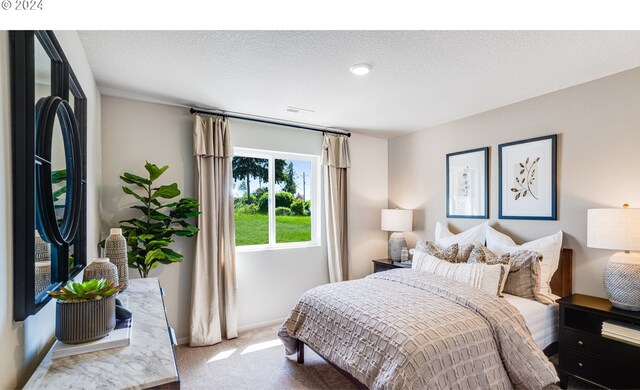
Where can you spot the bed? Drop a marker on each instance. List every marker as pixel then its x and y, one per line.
pixel 404 329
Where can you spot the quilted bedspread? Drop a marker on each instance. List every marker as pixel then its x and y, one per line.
pixel 407 329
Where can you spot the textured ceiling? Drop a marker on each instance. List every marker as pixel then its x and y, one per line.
pixel 419 78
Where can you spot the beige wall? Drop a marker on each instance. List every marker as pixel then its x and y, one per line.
pixel 133 133
pixel 368 195
pixel 24 343
pixel 269 282
pixel 598 163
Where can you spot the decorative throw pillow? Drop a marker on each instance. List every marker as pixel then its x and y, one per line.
pixel 464 251
pixel 482 254
pixel 444 237
pixel 524 276
pixel 449 254
pixel 489 278
pixel 549 247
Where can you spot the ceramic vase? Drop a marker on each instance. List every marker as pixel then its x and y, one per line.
pixel 622 285
pixel 101 268
pixel 81 322
pixel 42 249
pixel 42 275
pixel 116 251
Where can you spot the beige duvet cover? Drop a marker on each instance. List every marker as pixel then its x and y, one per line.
pixel 407 329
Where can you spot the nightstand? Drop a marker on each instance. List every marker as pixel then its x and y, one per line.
pixel 585 354
pixel 380 265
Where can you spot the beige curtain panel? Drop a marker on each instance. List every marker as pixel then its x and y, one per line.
pixel 335 161
pixel 214 295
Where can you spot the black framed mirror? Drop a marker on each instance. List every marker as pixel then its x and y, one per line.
pixel 49 169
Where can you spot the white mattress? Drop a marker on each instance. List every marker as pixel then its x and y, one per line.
pixel 541 319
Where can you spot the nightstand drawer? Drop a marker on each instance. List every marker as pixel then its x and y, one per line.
pixel 582 342
pixel 597 370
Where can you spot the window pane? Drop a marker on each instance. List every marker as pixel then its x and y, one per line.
pixel 293 200
pixel 251 200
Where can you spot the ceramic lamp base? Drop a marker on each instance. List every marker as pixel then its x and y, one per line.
pixel 622 280
pixel 396 243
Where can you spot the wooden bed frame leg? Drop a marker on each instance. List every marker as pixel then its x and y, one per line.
pixel 300 351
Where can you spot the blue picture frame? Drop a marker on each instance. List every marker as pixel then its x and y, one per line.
pixel 527 179
pixel 467 178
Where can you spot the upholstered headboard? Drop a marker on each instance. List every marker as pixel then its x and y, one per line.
pixel 561 282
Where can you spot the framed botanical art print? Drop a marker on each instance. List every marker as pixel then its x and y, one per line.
pixel 527 179
pixel 468 184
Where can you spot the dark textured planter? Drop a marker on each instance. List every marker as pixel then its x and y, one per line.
pixel 80 322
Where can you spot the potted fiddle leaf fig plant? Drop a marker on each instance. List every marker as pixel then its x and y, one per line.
pixel 163 217
pixel 85 311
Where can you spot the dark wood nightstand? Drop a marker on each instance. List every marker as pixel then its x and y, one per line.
pixel 380 265
pixel 585 354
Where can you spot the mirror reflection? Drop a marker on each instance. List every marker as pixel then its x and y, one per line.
pixel 42 88
pixel 58 172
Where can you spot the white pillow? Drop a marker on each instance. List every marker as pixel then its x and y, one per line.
pixel 489 278
pixel 444 238
pixel 549 247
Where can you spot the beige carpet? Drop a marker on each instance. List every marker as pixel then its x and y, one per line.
pixel 256 360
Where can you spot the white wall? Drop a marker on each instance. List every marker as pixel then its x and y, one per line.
pixel 270 281
pixel 368 195
pixel 133 133
pixel 24 343
pixel 598 163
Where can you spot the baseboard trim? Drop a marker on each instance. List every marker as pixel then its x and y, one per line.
pixel 185 340
pixel 261 324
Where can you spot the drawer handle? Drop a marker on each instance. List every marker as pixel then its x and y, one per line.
pixel 580 342
pixel 580 364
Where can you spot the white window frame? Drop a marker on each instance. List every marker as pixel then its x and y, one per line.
pixel 316 218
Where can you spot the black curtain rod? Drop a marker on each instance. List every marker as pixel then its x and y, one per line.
pixel 270 122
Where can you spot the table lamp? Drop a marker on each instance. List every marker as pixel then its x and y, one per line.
pixel 396 221
pixel 618 229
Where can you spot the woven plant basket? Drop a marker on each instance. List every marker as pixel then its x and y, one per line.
pixel 80 322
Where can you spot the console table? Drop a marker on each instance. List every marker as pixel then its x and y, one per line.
pixel 149 361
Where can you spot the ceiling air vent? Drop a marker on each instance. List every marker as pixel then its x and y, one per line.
pixel 298 110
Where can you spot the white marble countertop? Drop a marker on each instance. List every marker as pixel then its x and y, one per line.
pixel 148 361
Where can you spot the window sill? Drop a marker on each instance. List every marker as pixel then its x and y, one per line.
pixel 276 247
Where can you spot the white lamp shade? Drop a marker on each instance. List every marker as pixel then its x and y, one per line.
pixel 617 229
pixel 395 220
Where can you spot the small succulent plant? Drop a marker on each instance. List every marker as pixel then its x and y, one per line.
pixel 90 290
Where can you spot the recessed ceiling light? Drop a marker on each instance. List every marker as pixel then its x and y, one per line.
pixel 360 69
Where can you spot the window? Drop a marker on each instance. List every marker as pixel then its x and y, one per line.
pixel 274 199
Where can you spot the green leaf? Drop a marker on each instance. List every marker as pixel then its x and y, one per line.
pixel 172 255
pixel 153 255
pixel 58 193
pixel 89 290
pixel 159 216
pixel 154 171
pixel 167 192
pixel 155 244
pixel 58 176
pixel 129 191
pixel 130 178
